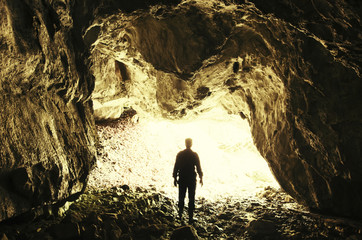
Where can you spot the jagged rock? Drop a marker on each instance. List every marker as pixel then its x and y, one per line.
pixel 47 129
pixel 261 228
pixel 185 232
pixel 66 231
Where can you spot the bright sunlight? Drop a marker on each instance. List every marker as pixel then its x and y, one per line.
pixel 143 154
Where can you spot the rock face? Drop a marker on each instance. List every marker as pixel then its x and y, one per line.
pixel 292 69
pixel 47 127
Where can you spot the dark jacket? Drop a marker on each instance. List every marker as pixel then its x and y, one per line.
pixel 185 164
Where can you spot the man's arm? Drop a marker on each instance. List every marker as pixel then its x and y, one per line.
pixel 198 168
pixel 175 170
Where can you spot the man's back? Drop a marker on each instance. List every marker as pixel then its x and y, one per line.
pixel 185 164
pixel 186 161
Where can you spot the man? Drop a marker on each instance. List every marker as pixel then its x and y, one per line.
pixel 186 162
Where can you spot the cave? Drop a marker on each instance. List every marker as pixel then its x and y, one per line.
pixel 290 70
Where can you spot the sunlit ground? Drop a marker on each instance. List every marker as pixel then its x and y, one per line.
pixel 143 154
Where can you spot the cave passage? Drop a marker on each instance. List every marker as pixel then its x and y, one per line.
pixel 142 155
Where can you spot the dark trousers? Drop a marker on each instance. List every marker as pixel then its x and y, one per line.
pixel 190 186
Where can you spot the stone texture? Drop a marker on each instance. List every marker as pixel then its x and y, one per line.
pixel 47 128
pixel 147 214
pixel 184 232
pixel 261 228
pixel 293 71
pixel 65 231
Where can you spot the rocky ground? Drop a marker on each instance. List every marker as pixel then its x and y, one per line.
pixel 110 209
pixel 125 213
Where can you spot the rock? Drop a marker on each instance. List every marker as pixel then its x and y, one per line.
pixel 201 229
pixel 154 230
pixel 226 215
pixel 94 218
pixel 73 217
pixel 126 237
pixel 3 236
pixel 46 128
pixel 122 223
pixel 238 219
pixel 261 228
pixel 65 231
pixel 90 232
pixel 125 187
pixel 217 229
pixel 115 234
pixel 184 233
pixel 43 236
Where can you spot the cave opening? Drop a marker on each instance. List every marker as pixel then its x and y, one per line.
pixel 179 67
pixel 140 152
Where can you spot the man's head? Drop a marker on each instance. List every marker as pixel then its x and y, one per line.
pixel 188 142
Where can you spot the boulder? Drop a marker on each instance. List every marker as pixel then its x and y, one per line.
pixel 185 232
pixel 262 228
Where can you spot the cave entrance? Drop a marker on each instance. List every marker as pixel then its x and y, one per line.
pixel 142 154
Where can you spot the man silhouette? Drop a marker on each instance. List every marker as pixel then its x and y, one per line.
pixel 184 169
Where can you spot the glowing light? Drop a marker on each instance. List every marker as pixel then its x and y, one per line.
pixel 144 155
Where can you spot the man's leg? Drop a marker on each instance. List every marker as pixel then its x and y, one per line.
pixel 181 197
pixel 192 191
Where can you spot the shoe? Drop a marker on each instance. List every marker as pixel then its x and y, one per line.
pixel 191 218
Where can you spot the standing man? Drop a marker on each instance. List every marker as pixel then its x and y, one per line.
pixel 186 162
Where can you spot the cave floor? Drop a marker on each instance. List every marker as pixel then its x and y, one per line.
pixel 132 207
pixel 126 213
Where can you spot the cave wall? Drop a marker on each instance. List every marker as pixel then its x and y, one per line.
pixel 47 126
pixel 47 129
pixel 292 69
pixel 324 112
